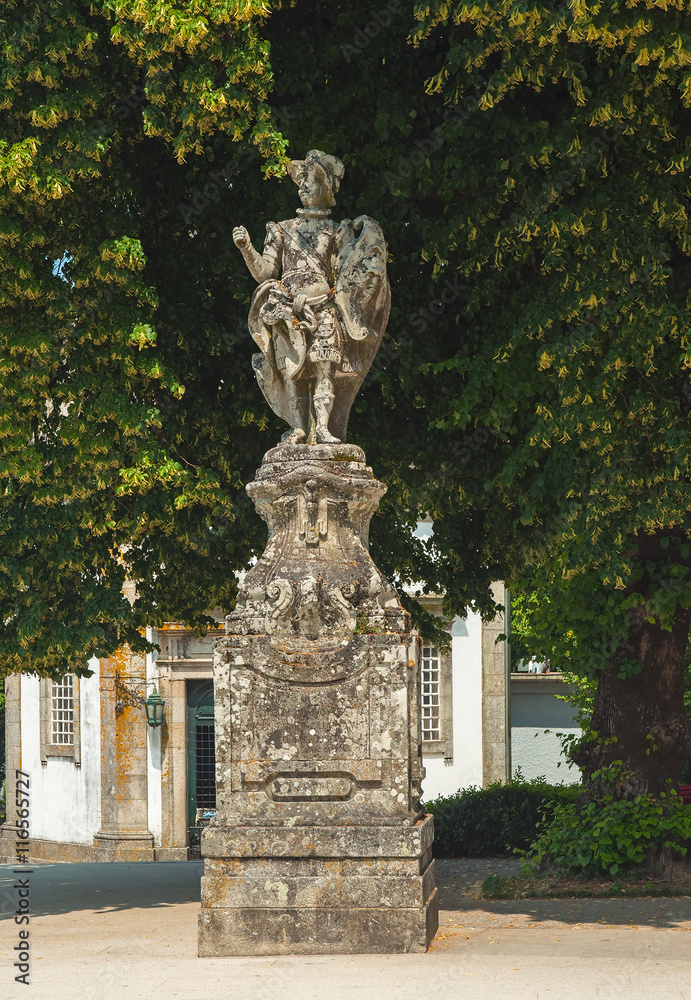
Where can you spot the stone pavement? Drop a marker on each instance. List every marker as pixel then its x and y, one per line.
pixel 103 931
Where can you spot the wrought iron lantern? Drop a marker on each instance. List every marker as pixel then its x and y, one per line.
pixel 154 709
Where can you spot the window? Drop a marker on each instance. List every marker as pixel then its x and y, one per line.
pixel 430 690
pixel 62 712
pixel 436 702
pixel 205 772
pixel 60 730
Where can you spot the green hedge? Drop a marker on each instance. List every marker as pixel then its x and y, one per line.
pixel 493 821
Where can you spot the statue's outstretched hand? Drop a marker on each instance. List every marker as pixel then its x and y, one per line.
pixel 241 238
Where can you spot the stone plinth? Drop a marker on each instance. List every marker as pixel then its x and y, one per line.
pixel 320 844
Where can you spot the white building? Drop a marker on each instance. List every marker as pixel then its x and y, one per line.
pixel 105 785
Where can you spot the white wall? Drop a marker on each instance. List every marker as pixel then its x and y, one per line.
pixel 65 799
pixel 538 753
pixel 538 714
pixel 465 769
pixel 445 777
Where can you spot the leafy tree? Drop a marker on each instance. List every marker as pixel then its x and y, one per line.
pixel 135 137
pixel 117 455
pixel 523 639
pixel 534 202
pixel 569 222
pixel 532 394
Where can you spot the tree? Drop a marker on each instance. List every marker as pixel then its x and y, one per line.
pixel 570 223
pixel 136 135
pixel 535 207
pixel 532 395
pixel 103 341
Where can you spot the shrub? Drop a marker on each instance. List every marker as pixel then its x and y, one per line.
pixel 612 835
pixel 493 821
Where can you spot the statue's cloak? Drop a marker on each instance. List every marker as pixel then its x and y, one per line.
pixel 361 298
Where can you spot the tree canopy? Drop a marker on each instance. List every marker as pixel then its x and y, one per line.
pixel 571 224
pixel 528 163
pixel 114 421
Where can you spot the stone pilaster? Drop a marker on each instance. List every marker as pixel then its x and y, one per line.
pixel 173 768
pixel 13 762
pixel 495 737
pixel 320 844
pixel 124 834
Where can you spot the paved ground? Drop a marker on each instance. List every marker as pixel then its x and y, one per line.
pixel 105 931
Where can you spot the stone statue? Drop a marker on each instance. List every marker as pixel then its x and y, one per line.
pixel 320 843
pixel 320 311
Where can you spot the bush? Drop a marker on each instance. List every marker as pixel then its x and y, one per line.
pixel 612 835
pixel 493 821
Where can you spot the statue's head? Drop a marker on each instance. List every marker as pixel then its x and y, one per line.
pixel 318 177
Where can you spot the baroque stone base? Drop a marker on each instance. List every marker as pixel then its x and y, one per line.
pixel 339 890
pixel 320 844
pixel 317 931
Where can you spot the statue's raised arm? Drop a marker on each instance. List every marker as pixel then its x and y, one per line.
pixel 320 311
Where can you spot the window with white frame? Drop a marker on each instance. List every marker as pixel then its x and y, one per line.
pixel 430 688
pixel 62 712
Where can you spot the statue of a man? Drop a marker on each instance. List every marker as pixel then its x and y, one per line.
pixel 321 307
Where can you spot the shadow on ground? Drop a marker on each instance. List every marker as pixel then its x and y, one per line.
pixel 111 886
pixel 102 885
pixel 455 876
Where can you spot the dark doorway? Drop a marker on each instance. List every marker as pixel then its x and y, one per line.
pixel 201 761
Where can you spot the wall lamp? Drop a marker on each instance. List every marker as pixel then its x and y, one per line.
pixel 154 709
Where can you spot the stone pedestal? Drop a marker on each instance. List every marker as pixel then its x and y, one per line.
pixel 320 844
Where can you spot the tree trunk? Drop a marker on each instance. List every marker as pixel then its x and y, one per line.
pixel 644 714
pixel 640 720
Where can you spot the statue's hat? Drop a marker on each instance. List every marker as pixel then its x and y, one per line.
pixel 331 166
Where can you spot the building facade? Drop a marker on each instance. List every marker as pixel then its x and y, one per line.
pixel 106 786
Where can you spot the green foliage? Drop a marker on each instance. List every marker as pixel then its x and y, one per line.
pixel 496 820
pixel 115 451
pixel 523 639
pixel 134 138
pixel 611 835
pixel 568 225
pixel 528 635
pixel 528 164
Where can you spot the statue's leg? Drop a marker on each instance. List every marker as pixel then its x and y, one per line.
pixel 323 402
pixel 298 405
